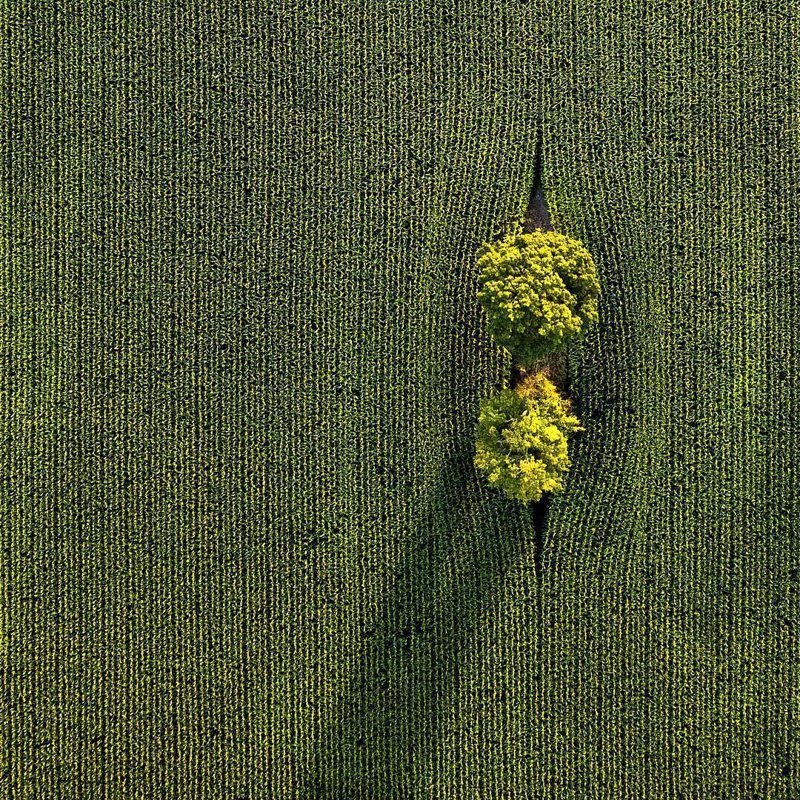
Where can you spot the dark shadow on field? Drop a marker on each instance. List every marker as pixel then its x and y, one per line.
pixel 454 562
pixel 452 565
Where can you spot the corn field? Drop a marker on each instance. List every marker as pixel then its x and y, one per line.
pixel 245 551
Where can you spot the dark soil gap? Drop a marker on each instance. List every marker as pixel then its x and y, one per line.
pixel 539 513
pixel 537 214
pixel 517 374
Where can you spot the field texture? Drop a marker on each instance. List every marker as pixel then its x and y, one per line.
pixel 245 553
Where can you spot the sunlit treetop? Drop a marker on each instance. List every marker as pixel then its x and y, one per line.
pixel 521 439
pixel 539 290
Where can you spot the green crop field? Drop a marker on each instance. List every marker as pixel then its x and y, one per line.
pixel 245 552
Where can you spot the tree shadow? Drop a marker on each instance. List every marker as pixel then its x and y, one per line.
pixel 454 562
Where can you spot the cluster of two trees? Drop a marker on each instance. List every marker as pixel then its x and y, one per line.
pixel 539 291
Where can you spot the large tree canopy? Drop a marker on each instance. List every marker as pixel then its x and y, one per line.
pixel 521 439
pixel 539 290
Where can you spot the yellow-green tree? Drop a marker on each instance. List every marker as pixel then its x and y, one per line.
pixel 539 291
pixel 521 439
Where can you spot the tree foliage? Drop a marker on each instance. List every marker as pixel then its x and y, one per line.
pixel 539 290
pixel 521 439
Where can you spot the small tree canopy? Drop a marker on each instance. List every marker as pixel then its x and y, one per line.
pixel 539 291
pixel 521 439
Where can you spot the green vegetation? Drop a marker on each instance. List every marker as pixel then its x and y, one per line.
pixel 246 552
pixel 539 291
pixel 522 439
